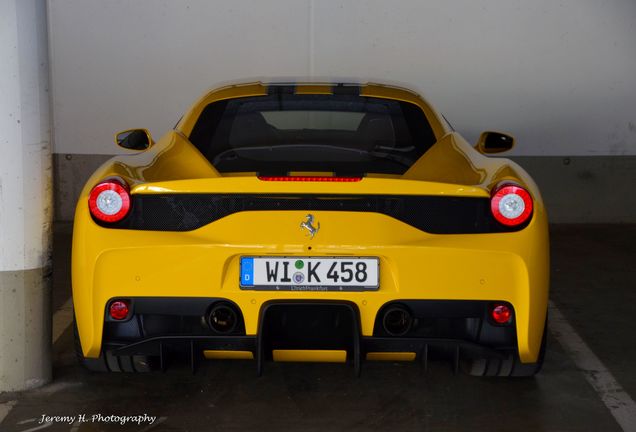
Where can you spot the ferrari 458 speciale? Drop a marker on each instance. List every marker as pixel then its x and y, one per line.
pixel 311 222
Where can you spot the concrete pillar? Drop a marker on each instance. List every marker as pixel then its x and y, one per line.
pixel 25 196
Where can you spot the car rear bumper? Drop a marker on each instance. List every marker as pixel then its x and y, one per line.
pixel 414 265
pixel 176 328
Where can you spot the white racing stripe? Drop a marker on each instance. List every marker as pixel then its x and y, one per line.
pixel 62 318
pixel 615 398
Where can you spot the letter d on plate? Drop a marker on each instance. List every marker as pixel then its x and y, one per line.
pixel 247 271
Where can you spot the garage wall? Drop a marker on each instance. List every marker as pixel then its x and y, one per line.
pixel 560 76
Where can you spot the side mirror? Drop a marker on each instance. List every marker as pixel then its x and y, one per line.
pixel 134 139
pixel 494 142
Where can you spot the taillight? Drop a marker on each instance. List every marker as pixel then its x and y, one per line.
pixel 109 201
pixel 118 310
pixel 311 179
pixel 511 204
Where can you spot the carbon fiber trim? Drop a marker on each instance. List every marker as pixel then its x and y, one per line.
pixel 432 214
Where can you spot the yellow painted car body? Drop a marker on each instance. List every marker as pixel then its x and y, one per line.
pixel 116 263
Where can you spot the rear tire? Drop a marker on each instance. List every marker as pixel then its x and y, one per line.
pixel 107 362
pixel 508 366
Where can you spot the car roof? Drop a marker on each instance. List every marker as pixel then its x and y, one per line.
pixel 260 88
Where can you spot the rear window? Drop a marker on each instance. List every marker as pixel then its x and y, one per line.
pixel 345 134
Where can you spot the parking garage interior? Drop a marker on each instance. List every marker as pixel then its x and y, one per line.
pixel 557 76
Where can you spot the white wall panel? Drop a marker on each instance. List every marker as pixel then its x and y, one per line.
pixel 123 64
pixel 561 76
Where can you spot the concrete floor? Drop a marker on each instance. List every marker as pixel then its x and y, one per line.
pixel 593 285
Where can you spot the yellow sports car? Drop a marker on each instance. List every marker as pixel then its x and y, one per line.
pixel 311 222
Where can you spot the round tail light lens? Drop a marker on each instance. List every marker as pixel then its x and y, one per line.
pixel 109 201
pixel 501 313
pixel 511 204
pixel 118 310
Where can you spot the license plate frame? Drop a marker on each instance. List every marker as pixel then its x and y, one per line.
pixel 249 265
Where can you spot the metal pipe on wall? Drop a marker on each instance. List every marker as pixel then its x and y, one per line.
pixel 25 197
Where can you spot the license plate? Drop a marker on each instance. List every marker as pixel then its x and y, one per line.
pixel 309 273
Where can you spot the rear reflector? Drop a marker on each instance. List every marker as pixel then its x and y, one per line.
pixel 118 310
pixel 501 313
pixel 311 179
pixel 511 204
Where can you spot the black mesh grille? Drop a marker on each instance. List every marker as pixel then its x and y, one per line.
pixel 432 214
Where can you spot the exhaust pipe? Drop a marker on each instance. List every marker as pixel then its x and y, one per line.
pixel 397 321
pixel 223 318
